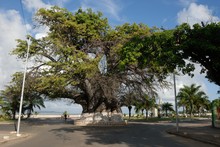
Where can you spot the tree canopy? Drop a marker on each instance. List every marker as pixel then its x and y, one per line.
pixel 66 60
pixel 138 58
pixel 201 44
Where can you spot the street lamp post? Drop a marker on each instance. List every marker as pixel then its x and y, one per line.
pixel 177 123
pixel 23 84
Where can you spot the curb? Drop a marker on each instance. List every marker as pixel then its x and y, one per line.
pixel 12 136
pixel 186 135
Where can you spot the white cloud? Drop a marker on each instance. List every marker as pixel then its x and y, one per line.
pixel 34 5
pixel 11 25
pixel 196 13
pixel 40 32
pixel 181 80
pixel 106 6
pixel 40 35
pixel 11 28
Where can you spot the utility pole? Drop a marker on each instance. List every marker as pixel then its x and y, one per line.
pixel 177 123
pixel 23 84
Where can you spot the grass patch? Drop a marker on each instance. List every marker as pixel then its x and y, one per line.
pixel 3 119
pixel 153 119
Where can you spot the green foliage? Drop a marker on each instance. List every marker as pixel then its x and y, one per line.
pixel 152 119
pixel 1 101
pixel 12 93
pixel 66 60
pixel 10 96
pixel 154 51
pixel 216 102
pixel 167 107
pixel 193 98
pixel 201 44
pixel 65 48
pixel 65 113
pixel 79 29
pixel 146 103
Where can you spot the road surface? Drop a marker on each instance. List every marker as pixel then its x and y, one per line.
pixel 58 133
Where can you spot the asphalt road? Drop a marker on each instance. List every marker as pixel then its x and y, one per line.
pixel 57 133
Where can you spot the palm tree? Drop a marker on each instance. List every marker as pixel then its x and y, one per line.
pixel 191 95
pixel 128 101
pixel 12 93
pixel 182 103
pixel 31 103
pixel 167 107
pixel 11 104
pixel 203 104
pixel 139 106
pixel 146 103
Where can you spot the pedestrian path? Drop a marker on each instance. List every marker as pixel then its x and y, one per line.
pixel 8 136
pixel 199 131
pixel 7 133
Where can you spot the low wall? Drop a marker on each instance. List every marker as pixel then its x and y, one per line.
pixel 100 119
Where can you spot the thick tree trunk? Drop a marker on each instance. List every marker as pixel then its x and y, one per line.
pixel 99 101
pixel 98 96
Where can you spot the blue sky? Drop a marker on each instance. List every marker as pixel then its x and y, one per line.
pixel 159 13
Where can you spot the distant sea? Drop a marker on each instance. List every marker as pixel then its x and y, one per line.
pixel 55 113
pixel 73 112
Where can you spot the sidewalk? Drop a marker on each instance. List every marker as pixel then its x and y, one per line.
pixel 199 131
pixel 6 135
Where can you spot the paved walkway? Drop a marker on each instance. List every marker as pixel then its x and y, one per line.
pixel 8 136
pixel 7 133
pixel 197 130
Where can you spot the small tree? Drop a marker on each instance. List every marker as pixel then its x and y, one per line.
pixel 167 107
pixel 12 94
pixel 191 95
pixel 128 100
pixel 146 103
pixel 216 103
pixel 11 101
pixel 202 105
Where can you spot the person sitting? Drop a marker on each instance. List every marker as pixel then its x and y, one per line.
pixel 65 115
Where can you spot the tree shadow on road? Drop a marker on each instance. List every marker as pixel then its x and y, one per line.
pixel 47 121
pixel 129 135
